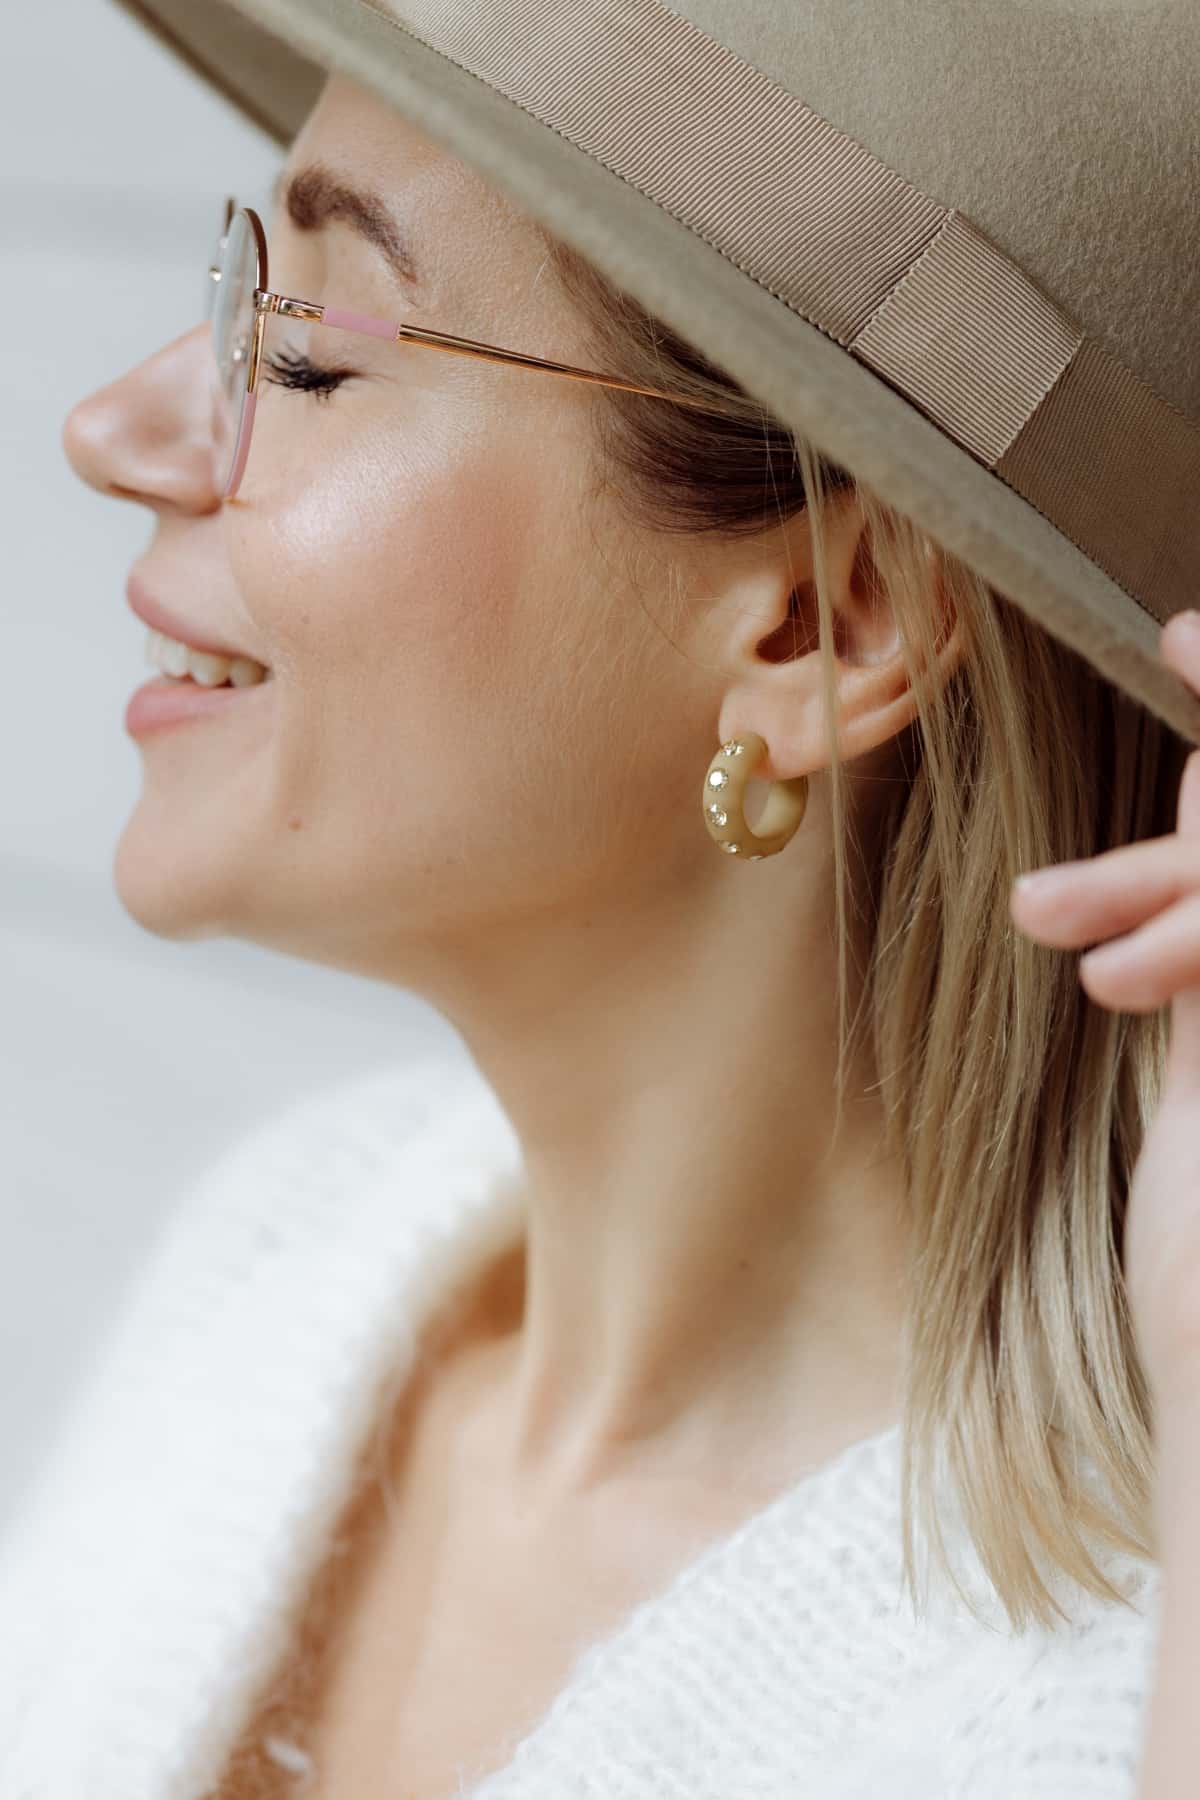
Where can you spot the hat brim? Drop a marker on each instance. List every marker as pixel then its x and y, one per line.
pixel 269 58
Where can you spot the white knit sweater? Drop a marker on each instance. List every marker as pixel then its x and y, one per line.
pixel 148 1585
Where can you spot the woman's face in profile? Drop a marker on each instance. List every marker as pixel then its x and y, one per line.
pixel 462 673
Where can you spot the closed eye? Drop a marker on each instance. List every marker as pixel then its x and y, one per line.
pixel 290 370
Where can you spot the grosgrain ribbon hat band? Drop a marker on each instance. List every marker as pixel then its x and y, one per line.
pixel 623 122
pixel 911 289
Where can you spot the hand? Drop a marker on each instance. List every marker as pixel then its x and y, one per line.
pixel 1145 897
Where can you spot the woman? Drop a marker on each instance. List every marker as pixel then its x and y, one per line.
pixel 682 1408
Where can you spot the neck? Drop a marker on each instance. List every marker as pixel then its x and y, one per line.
pixel 711 1279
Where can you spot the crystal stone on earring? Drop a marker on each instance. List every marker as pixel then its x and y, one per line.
pixel 718 778
pixel 732 748
pixel 717 816
pixel 757 858
pixel 732 848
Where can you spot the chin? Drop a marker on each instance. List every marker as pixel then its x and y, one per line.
pixel 166 894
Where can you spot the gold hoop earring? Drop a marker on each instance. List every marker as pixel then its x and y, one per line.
pixel 724 799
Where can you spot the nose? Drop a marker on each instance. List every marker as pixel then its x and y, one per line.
pixel 148 435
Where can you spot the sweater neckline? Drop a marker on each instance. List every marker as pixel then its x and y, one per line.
pixel 464 1177
pixel 746 1562
pixel 860 1479
pixel 471 1203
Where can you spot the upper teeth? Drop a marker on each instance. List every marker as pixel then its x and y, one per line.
pixel 174 658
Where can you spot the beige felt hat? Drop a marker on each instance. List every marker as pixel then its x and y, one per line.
pixel 955 244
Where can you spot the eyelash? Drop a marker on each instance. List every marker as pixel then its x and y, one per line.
pixel 289 370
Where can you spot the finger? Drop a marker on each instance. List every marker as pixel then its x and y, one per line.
pixel 1189 797
pixel 1083 902
pixel 1100 897
pixel 1179 646
pixel 1151 966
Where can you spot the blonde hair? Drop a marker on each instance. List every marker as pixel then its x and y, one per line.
pixel 1018 1105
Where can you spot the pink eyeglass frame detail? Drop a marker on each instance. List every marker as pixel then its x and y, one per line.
pixel 339 318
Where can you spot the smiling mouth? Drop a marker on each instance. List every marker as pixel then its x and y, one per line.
pixel 179 662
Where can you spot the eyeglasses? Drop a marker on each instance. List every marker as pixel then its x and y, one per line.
pixel 238 301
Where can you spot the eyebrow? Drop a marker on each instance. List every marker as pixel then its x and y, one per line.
pixel 314 196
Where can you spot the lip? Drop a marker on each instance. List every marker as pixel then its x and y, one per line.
pixel 164 702
pixel 154 614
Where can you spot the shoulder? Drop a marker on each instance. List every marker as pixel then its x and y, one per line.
pixel 977 1707
pixel 988 1713
pixel 296 1172
pixel 282 1289
pixel 348 1128
pixel 1071 1721
pixel 305 1162
pixel 282 1199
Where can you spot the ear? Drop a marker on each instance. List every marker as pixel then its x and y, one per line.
pixel 770 620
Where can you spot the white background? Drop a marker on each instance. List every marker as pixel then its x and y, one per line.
pixel 126 1062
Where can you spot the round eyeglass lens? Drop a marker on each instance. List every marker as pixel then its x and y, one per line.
pixel 232 317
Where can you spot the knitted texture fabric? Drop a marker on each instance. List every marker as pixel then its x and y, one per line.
pixel 151 1580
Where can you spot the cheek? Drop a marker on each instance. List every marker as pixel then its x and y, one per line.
pixel 393 565
pixel 403 595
